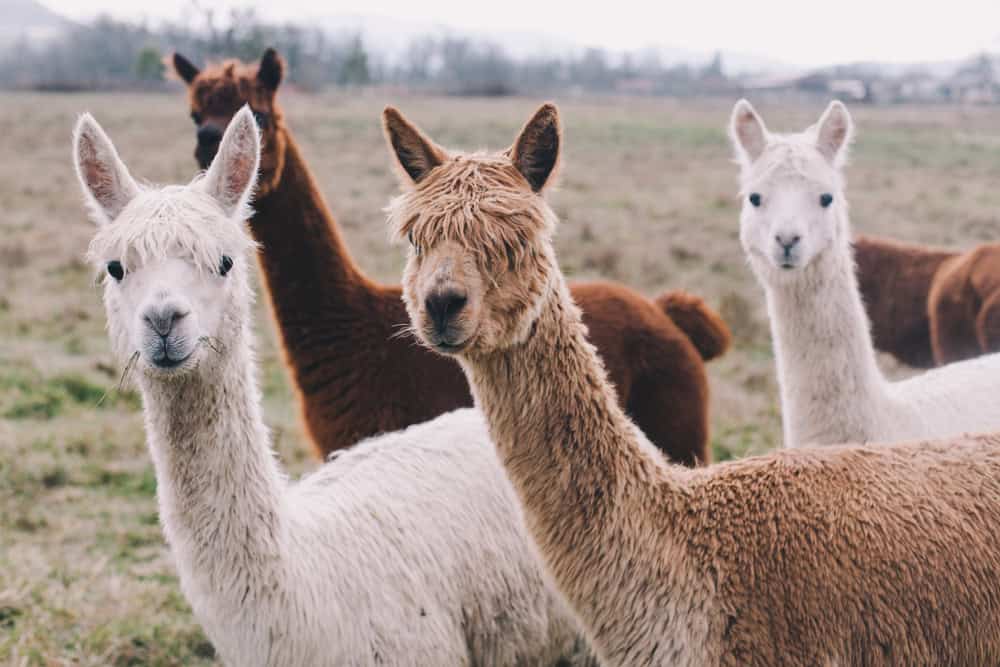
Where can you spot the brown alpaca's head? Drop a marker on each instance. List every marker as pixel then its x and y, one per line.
pixel 481 259
pixel 219 91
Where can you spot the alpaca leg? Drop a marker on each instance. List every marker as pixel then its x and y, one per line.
pixel 988 325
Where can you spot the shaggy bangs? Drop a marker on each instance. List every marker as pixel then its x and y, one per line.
pixel 794 156
pixel 481 202
pixel 175 221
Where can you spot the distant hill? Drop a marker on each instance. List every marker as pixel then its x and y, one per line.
pixel 30 20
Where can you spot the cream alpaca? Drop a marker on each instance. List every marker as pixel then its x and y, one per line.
pixel 409 549
pixel 822 556
pixel 795 230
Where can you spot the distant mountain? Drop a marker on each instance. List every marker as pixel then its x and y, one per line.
pixel 29 20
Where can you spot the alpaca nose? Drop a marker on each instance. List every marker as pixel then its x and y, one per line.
pixel 443 306
pixel 787 241
pixel 161 319
pixel 209 134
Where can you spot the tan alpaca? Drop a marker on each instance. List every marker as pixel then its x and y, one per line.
pixel 845 555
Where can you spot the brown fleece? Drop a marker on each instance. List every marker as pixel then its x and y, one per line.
pixel 928 306
pixel 355 373
pixel 839 555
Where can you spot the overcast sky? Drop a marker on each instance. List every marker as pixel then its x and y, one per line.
pixel 800 32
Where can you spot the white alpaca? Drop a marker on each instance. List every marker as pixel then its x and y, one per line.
pixel 795 230
pixel 408 549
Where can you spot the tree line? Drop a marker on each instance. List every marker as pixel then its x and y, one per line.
pixel 110 53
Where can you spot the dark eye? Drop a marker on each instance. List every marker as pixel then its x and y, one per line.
pixel 225 265
pixel 755 198
pixel 116 270
pixel 263 119
pixel 825 199
pixel 416 248
pixel 196 117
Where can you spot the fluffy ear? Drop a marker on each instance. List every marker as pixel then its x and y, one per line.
pixel 271 69
pixel 233 173
pixel 834 132
pixel 535 152
pixel 185 68
pixel 747 132
pixel 105 179
pixel 416 153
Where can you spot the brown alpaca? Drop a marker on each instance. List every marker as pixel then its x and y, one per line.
pixel 355 374
pixel 929 307
pixel 842 555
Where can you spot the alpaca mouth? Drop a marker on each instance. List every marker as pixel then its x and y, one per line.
pixel 167 363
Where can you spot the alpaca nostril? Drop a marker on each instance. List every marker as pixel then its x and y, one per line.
pixel 443 306
pixel 162 321
pixel 787 243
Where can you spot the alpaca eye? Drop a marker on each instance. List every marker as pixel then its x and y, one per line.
pixel 825 199
pixel 116 270
pixel 196 117
pixel 755 199
pixel 416 248
pixel 263 119
pixel 225 265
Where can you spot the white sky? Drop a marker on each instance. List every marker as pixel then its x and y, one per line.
pixel 799 32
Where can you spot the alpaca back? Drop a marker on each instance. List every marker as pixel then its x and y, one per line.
pixel 410 548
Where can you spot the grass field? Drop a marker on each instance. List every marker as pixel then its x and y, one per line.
pixel 647 197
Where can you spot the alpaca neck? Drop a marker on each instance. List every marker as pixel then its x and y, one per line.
pixel 573 456
pixel 317 293
pixel 305 260
pixel 830 382
pixel 218 485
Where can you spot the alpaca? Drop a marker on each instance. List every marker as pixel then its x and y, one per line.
pixel 930 306
pixel 842 555
pixel 795 231
pixel 407 549
pixel 337 325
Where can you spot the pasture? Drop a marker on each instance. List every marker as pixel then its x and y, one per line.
pixel 647 196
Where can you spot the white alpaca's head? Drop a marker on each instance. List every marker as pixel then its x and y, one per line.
pixel 174 259
pixel 794 209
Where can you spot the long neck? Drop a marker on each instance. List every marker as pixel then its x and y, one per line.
pixel 317 292
pixel 588 485
pixel 219 487
pixel 830 382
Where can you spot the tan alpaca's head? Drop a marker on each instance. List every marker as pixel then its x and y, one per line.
pixel 480 232
pixel 217 92
pixel 794 209
pixel 175 260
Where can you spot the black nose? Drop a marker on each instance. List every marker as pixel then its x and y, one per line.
pixel 208 135
pixel 163 318
pixel 787 242
pixel 442 306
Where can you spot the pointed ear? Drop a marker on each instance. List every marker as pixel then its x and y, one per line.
pixel 271 69
pixel 747 132
pixel 185 68
pixel 416 153
pixel 834 132
pixel 535 152
pixel 233 173
pixel 105 179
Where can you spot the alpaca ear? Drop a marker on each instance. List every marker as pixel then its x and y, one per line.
pixel 233 173
pixel 271 69
pixel 535 152
pixel 834 132
pixel 105 179
pixel 185 68
pixel 747 132
pixel 416 153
